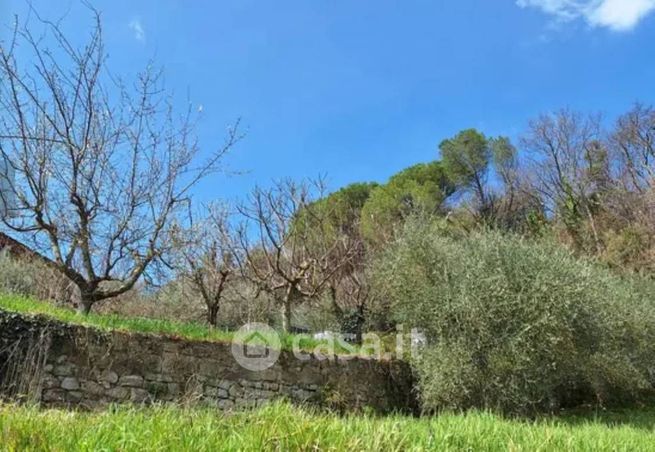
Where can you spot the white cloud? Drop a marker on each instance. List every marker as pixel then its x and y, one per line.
pixel 137 28
pixel 621 14
pixel 618 15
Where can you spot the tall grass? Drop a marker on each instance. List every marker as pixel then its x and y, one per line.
pixel 283 427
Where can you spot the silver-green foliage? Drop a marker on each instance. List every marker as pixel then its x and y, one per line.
pixel 516 325
pixel 22 276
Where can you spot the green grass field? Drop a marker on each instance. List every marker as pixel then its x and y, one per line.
pixel 283 427
pixel 191 331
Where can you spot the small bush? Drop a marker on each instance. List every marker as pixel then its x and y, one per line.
pixel 517 326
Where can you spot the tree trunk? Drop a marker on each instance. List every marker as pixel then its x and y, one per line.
pixel 286 314
pixel 359 324
pixel 592 223
pixel 338 312
pixel 212 314
pixel 85 304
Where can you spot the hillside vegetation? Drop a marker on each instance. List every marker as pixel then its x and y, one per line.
pixel 526 261
pixel 518 326
pixel 107 322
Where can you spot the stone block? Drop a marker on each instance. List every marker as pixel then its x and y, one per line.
pixel 301 395
pixel 158 377
pixel 225 404
pixel 235 391
pixel 53 396
pixel 211 391
pixel 92 388
pixel 50 382
pixel 209 368
pixel 70 384
pixel 139 395
pixel 119 393
pixel 74 396
pixel 109 376
pixel 178 364
pixel 64 370
pixel 131 381
pixel 225 384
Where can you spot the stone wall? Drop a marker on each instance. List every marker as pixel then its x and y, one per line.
pixel 75 366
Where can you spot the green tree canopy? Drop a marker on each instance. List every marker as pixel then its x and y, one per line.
pixel 466 159
pixel 339 212
pixel 420 188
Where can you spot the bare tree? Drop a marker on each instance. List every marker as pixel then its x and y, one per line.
pixel 102 168
pixel 633 148
pixel 516 205
pixel 350 293
pixel 567 150
pixel 205 257
pixel 278 247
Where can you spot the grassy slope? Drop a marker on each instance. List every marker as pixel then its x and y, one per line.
pixel 191 331
pixel 282 427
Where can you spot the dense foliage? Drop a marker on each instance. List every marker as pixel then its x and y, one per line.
pixel 517 326
pixel 420 188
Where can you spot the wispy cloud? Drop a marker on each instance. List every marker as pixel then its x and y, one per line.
pixel 137 28
pixel 618 15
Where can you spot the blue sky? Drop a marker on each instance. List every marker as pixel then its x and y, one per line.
pixel 360 89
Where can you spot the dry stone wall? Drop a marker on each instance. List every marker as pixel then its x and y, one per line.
pixel 74 366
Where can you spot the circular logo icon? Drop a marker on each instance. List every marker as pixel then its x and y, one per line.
pixel 256 346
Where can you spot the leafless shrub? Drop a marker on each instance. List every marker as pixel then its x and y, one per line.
pixel 21 367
